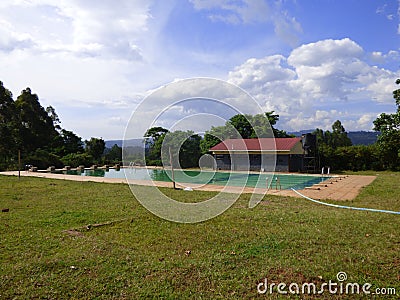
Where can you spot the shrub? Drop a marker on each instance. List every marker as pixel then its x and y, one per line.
pixel 77 159
pixel 42 159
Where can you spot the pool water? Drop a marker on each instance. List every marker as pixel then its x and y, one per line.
pixel 279 181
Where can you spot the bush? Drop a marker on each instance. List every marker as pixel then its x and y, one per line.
pixel 356 158
pixel 154 162
pixel 9 166
pixel 77 159
pixel 42 159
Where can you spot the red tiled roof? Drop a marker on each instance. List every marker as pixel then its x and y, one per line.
pixel 263 144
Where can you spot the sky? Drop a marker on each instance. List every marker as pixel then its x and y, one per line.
pixel 311 61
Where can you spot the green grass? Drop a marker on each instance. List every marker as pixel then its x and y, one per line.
pixel 142 256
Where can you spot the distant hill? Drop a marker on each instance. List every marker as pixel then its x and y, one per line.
pixel 363 137
pixel 356 137
pixel 128 143
pixel 301 132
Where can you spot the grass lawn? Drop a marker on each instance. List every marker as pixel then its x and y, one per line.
pixel 283 239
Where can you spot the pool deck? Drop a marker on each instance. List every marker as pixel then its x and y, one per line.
pixel 345 187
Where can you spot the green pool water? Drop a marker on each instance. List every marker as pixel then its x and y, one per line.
pixel 282 181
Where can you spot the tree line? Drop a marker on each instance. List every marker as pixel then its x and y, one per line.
pixel 36 133
pixel 186 147
pixel 334 148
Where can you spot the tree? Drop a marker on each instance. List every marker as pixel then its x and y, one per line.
pixel 257 126
pixel 389 140
pixel 242 125
pixel 190 151
pixel 328 142
pixel 36 128
pixel 153 134
pixel 396 96
pixel 42 159
pixel 51 112
pixel 77 159
pixel 154 138
pixel 339 136
pixel 25 125
pixel 263 124
pixel 67 142
pixel 184 147
pixel 208 141
pixel 355 158
pixel 95 147
pixel 114 154
pixel 261 128
pixel 8 126
pixel 216 135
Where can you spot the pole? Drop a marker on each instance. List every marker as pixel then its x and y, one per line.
pixel 19 164
pixel 172 168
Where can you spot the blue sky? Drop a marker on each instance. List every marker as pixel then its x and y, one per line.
pixel 312 61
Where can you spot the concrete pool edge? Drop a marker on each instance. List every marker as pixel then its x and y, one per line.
pixel 338 188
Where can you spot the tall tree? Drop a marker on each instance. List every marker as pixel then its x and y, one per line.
pixel 51 112
pixel 257 126
pixel 36 126
pixel 8 126
pixel 184 147
pixel 153 134
pixel 263 124
pixel 95 147
pixel 339 136
pixel 67 142
pixel 242 125
pixel 328 142
pixel 153 139
pixel 114 154
pixel 209 140
pixel 389 139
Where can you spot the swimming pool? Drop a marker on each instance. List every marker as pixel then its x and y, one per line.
pixel 280 181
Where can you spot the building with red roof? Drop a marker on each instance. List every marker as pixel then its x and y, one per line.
pixel 263 154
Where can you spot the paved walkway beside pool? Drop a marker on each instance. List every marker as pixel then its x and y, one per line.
pixel 337 188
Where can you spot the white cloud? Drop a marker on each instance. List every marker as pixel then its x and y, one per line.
pixel 363 122
pixel 82 53
pixel 325 51
pixel 381 9
pixel 288 29
pixel 319 119
pixel 64 77
pixel 389 13
pixel 11 40
pixel 285 26
pixel 86 54
pixel 244 11
pixel 316 76
pixel 184 99
pixel 261 71
pixel 82 27
pixel 380 84
pixel 398 16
